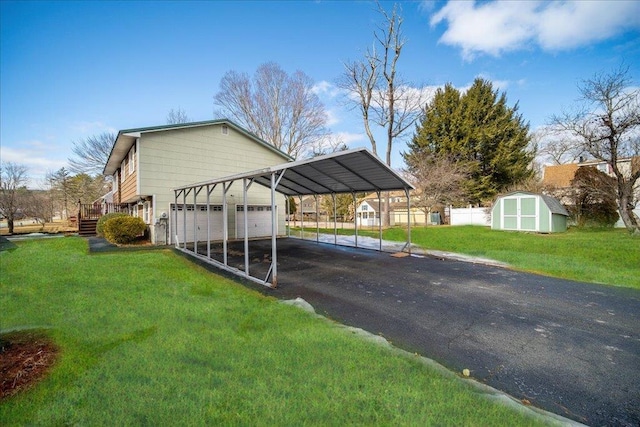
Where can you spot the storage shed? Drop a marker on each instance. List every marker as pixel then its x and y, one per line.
pixel 523 211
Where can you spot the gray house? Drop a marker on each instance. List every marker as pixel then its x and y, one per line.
pixel 523 211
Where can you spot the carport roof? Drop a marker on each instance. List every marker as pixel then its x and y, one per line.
pixel 356 170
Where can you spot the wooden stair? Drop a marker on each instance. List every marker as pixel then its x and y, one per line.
pixel 87 227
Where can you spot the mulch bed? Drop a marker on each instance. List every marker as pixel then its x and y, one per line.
pixel 25 358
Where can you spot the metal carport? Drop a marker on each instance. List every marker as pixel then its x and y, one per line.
pixel 353 171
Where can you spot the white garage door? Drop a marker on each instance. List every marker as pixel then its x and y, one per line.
pixel 258 218
pixel 215 215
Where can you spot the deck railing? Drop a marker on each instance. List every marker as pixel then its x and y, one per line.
pixel 96 210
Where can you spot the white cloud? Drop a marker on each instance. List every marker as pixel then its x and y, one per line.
pixel 35 157
pixel 351 137
pixel 325 88
pixel 333 117
pixel 496 27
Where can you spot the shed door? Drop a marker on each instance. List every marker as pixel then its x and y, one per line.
pixel 528 213
pixel 215 223
pixel 519 213
pixel 258 221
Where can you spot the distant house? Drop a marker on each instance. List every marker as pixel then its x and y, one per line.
pixel 309 209
pixel 557 178
pixel 148 163
pixel 524 211
pixel 368 210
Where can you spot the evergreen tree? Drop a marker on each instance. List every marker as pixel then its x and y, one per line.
pixel 479 129
pixel 440 129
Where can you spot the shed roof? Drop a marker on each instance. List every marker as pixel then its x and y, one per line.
pixel 552 203
pixel 356 170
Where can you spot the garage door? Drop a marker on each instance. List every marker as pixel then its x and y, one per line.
pixel 215 215
pixel 258 218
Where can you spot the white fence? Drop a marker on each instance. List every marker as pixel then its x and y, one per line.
pixel 470 216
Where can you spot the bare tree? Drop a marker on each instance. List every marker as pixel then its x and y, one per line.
pixel 37 205
pixel 175 117
pixel 439 181
pixel 279 108
pixel 374 87
pixel 607 124
pixel 13 180
pixel 330 144
pixel 556 146
pixel 91 154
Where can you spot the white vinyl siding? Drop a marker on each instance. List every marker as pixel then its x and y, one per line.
pixel 173 158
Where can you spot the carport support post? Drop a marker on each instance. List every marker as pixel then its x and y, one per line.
pixel 225 220
pixel 274 232
pixel 209 191
pixel 379 219
pixel 195 219
pixel 246 226
pixel 175 223
pixel 301 218
pixel 355 218
pixel 406 192
pixel 315 197
pixel 288 215
pixel 184 217
pixel 209 221
pixel 335 219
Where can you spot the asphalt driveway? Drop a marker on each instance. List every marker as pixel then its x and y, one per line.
pixel 569 348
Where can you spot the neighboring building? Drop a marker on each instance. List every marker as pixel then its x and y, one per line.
pixel 368 210
pixel 524 211
pixel 557 178
pixel 309 209
pixel 148 163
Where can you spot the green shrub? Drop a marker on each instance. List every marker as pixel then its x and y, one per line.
pixel 105 218
pixel 124 229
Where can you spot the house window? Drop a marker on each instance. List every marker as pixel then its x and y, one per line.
pixel 225 129
pixel 115 182
pixel 132 159
pixel 365 207
pixel 146 210
pixel 123 169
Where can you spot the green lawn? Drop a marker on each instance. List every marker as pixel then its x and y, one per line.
pixel 148 338
pixel 608 256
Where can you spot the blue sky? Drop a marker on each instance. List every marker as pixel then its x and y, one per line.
pixel 69 70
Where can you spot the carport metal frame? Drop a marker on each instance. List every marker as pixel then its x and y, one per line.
pixel 351 171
